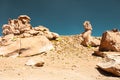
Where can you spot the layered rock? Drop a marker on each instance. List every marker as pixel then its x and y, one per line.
pixel 88 40
pixel 111 64
pixel 110 41
pixel 26 46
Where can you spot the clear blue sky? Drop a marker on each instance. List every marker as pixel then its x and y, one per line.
pixel 65 16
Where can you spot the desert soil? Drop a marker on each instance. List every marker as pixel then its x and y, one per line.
pixel 68 61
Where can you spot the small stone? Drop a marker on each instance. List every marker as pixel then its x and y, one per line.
pixel 33 62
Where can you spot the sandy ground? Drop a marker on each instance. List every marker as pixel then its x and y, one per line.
pixel 68 61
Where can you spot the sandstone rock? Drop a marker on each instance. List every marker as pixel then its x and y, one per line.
pixel 110 41
pixel 33 32
pixel 88 40
pixel 55 35
pixel 8 39
pixel 35 62
pixel 48 34
pixel 104 54
pixel 17 26
pixel 35 45
pixel 87 25
pixel 29 41
pixel 95 41
pixel 111 64
pixel 27 46
pixel 41 28
pixel 25 35
pixel 24 18
pixel 7 29
pixel 22 27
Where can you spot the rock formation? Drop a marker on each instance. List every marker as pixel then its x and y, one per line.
pixel 109 49
pixel 22 27
pixel 110 41
pixel 26 46
pixel 88 40
pixel 20 38
pixel 17 26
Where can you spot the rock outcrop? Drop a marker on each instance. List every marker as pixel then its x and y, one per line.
pixel 21 39
pixel 22 27
pixel 26 46
pixel 88 40
pixel 17 26
pixel 110 41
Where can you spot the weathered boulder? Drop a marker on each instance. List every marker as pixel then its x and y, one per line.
pixel 88 40
pixel 111 64
pixel 110 41
pixel 46 32
pixel 35 45
pixel 27 46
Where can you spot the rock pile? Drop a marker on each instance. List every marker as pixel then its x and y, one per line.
pixel 88 40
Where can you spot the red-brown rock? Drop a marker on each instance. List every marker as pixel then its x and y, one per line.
pixel 110 41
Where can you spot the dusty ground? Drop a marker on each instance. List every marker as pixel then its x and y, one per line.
pixel 68 61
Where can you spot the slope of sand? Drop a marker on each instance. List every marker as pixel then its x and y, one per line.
pixel 68 61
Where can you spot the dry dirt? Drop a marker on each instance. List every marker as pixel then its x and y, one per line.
pixel 68 61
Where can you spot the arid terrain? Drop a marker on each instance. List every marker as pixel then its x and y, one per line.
pixel 68 61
